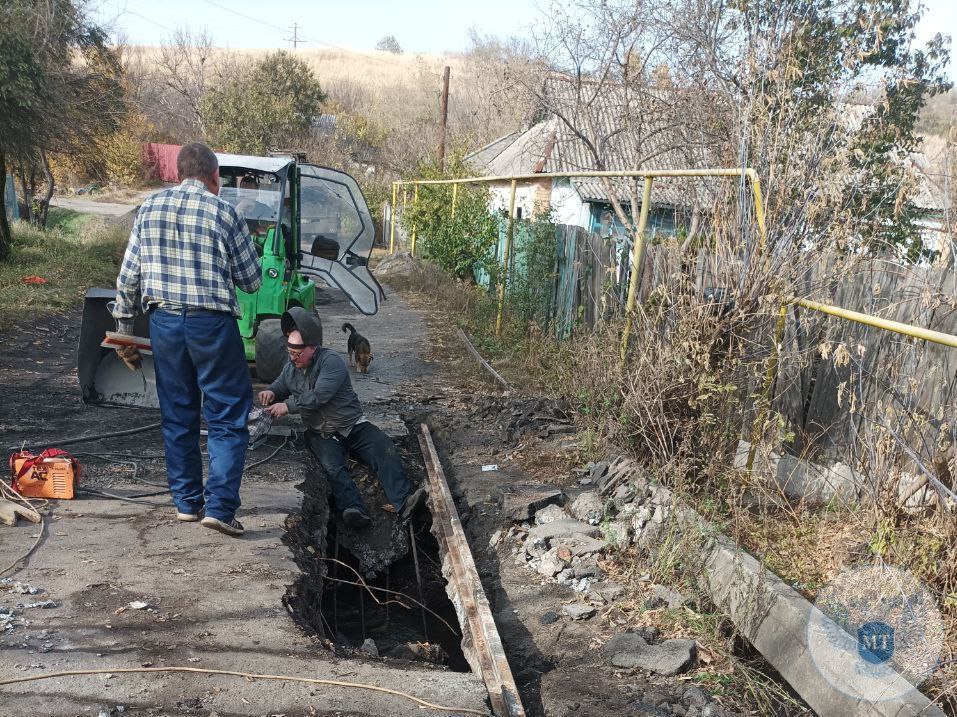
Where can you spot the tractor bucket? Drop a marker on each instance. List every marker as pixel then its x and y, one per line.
pixel 104 378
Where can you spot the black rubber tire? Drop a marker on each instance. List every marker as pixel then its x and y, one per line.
pixel 271 353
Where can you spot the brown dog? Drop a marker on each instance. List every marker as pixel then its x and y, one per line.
pixel 360 351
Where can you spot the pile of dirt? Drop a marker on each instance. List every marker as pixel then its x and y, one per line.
pixel 398 264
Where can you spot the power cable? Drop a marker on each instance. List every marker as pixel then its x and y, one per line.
pixel 300 38
pixel 249 676
pixel 269 457
pixel 149 20
pixel 248 17
pixel 94 437
pixel 135 498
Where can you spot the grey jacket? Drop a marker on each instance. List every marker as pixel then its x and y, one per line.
pixel 322 393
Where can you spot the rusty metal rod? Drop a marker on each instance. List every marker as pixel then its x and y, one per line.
pixel 418 580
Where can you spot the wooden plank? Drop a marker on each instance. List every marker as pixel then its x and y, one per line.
pixel 488 653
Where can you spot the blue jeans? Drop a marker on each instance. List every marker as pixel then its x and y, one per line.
pixel 200 361
pixel 371 446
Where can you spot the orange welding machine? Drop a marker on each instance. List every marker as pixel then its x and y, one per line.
pixel 51 474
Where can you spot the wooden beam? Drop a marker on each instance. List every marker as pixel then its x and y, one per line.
pixel 481 642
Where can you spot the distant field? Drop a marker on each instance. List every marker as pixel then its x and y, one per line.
pixel 400 93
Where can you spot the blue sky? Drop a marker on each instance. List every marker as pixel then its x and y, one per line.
pixel 430 26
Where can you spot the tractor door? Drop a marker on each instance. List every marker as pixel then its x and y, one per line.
pixel 336 234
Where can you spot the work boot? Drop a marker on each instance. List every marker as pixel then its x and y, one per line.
pixel 356 518
pixel 412 504
pixel 233 527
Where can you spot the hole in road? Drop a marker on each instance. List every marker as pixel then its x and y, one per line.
pixel 410 616
pixel 400 627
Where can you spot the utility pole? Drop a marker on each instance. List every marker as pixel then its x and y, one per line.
pixel 443 115
pixel 295 36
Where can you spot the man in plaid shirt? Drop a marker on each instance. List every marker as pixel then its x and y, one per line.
pixel 188 252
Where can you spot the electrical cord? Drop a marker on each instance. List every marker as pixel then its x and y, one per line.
pixel 86 439
pixel 14 497
pixel 269 457
pixel 125 498
pixel 129 463
pixel 247 675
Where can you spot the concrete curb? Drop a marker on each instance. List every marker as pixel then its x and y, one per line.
pixel 774 618
pixel 766 610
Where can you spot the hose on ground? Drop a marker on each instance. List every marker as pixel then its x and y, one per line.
pixel 247 675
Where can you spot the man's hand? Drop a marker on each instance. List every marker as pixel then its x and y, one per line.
pixel 130 355
pixel 278 410
pixel 266 398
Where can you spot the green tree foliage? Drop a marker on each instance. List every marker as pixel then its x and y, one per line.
pixel 59 89
pixel 276 100
pixel 459 244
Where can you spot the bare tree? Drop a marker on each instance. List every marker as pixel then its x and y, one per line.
pixel 613 104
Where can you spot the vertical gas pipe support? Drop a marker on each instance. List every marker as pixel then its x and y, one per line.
pixel 637 256
pixel 758 207
pixel 506 257
pixel 392 214
pixel 769 375
pixel 455 194
pixel 415 200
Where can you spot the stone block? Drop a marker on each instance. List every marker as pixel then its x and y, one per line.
pixel 617 534
pixel 606 591
pixel 564 528
pixel 803 480
pixel 549 514
pixel 670 658
pixel 588 508
pixel 578 611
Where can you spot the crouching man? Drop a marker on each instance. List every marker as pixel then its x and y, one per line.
pixel 316 384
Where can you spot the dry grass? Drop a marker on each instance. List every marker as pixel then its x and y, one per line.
pixel 397 94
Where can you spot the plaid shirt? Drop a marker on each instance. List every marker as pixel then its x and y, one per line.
pixel 188 248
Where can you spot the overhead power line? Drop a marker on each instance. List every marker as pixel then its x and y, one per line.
pixel 248 17
pixel 149 20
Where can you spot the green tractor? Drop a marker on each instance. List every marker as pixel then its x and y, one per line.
pixel 307 221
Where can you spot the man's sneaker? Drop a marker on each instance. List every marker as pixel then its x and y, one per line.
pixel 187 517
pixel 412 504
pixel 233 527
pixel 356 518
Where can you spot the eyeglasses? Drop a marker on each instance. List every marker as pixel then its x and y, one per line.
pixel 295 352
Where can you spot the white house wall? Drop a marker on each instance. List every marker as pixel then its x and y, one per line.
pixel 568 207
pixel 524 199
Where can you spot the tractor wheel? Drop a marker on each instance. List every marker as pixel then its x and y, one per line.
pixel 270 350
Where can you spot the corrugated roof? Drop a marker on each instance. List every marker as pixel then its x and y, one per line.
pixel 628 139
pixel 480 159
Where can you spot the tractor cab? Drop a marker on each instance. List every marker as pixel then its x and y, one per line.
pixel 307 222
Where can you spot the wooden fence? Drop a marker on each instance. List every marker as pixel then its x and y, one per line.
pixel 836 379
